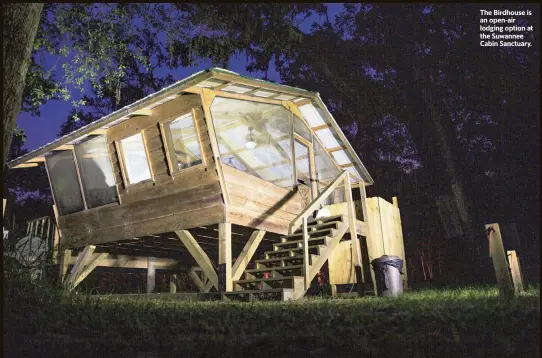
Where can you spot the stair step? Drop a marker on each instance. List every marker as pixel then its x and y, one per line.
pixel 278 253
pixel 278 259
pixel 282 260
pixel 248 295
pixel 321 226
pixel 283 282
pixel 325 219
pixel 299 242
pixel 316 233
pixel 261 271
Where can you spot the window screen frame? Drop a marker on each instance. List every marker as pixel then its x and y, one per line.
pixel 167 140
pixel 81 181
pixel 53 191
pixel 122 161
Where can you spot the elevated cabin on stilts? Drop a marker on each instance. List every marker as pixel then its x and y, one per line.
pixel 227 177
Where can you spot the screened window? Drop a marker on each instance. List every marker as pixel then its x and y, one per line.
pixel 184 145
pixel 65 182
pixel 136 164
pixel 255 138
pixel 326 171
pixel 301 129
pixel 96 173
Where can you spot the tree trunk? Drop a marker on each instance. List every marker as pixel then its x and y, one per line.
pixel 20 24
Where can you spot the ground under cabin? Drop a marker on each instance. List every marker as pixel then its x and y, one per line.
pixel 248 186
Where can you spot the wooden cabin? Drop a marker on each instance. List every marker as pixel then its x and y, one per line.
pixel 225 176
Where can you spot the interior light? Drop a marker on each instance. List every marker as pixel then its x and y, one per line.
pixel 250 143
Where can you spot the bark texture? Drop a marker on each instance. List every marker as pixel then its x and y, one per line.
pixel 20 24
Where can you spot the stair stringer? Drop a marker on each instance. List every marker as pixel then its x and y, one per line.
pixel 322 258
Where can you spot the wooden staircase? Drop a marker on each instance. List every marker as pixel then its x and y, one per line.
pixel 287 272
pixel 280 274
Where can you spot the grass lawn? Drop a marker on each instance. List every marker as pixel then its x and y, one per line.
pixel 468 322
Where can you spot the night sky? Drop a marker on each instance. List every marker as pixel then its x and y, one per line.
pixel 44 129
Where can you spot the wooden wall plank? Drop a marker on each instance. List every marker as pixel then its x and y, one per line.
pixel 206 215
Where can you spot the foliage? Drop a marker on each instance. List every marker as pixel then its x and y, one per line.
pixel 470 321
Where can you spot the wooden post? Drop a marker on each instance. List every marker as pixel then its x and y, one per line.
pixel 151 275
pixel 400 233
pixel 224 257
pixel 4 208
pixel 306 268
pixel 333 290
pixel 173 284
pixel 500 264
pixel 515 270
pixel 65 259
pixel 356 249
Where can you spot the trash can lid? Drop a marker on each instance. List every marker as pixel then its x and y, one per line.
pixel 386 258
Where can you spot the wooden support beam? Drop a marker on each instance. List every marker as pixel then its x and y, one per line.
pixel 207 97
pixel 199 255
pixel 79 266
pixel 194 276
pixel 303 102
pixel 317 128
pixel 36 160
pixel 224 257
pixel 293 108
pixel 151 275
pixel 500 264
pixel 515 270
pixel 243 97
pixel 306 266
pixel 64 147
pixel 347 165
pixel 4 207
pixel 26 165
pixel 224 85
pixel 142 112
pixel 100 131
pixel 336 149
pixel 89 268
pixel 356 249
pixel 246 254
pixel 65 260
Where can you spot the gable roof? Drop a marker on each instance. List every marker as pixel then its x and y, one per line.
pixel 309 104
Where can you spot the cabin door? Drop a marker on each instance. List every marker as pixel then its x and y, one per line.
pixel 304 165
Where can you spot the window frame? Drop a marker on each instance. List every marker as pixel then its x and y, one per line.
pixel 53 191
pixel 81 181
pixel 122 162
pixel 167 140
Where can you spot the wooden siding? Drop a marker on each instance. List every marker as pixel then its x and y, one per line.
pixel 259 204
pixel 190 198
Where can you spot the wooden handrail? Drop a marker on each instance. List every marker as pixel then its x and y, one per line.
pixel 301 219
pixel 315 204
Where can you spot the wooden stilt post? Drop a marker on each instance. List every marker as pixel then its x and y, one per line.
pixel 333 290
pixel 224 257
pixel 306 269
pixel 173 284
pixel 500 264
pixel 151 275
pixel 65 259
pixel 356 249
pixel 515 270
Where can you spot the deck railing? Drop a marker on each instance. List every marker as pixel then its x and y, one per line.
pixel 301 220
